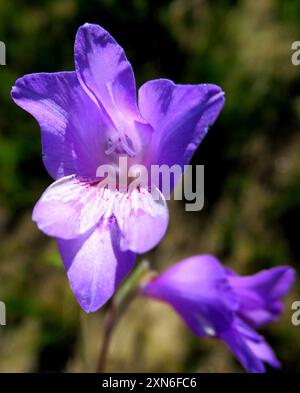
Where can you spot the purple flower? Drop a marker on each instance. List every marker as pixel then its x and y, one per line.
pixel 215 302
pixel 91 117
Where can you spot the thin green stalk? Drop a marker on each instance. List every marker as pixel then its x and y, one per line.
pixel 118 305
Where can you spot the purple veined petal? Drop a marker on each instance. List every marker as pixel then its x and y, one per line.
pixel 70 207
pixel 260 294
pixel 107 77
pixel 180 116
pixel 73 127
pixel 105 72
pixel 95 265
pixel 142 217
pixel 198 291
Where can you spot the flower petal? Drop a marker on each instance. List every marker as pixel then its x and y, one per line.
pixel 73 127
pixel 95 264
pixel 250 347
pixel 69 208
pixel 143 219
pixel 264 352
pixel 261 293
pixel 238 345
pixel 180 116
pixel 197 289
pixel 105 72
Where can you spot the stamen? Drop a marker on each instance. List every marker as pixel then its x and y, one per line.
pixel 121 145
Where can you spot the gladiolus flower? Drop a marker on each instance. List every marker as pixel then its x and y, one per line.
pixel 215 302
pixel 91 117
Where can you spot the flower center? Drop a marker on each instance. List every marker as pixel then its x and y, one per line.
pixel 120 144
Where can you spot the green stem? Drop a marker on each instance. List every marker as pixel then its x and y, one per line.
pixel 118 305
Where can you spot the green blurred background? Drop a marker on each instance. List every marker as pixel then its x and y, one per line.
pixel 252 168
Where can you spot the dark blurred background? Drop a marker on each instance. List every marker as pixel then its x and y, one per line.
pixel 252 175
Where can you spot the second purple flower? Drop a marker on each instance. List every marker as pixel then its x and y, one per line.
pixel 215 302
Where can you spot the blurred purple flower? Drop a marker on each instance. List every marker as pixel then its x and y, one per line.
pixel 215 302
pixel 88 118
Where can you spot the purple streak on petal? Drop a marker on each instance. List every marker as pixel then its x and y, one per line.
pixel 95 265
pixel 69 208
pixel 73 127
pixel 180 116
pixel 105 72
pixel 198 290
pixel 261 294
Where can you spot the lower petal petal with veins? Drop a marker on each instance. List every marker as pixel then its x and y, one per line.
pixel 69 208
pixel 143 219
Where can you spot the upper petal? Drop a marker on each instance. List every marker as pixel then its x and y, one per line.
pixel 95 264
pixel 73 127
pixel 260 294
pixel 180 116
pixel 105 72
